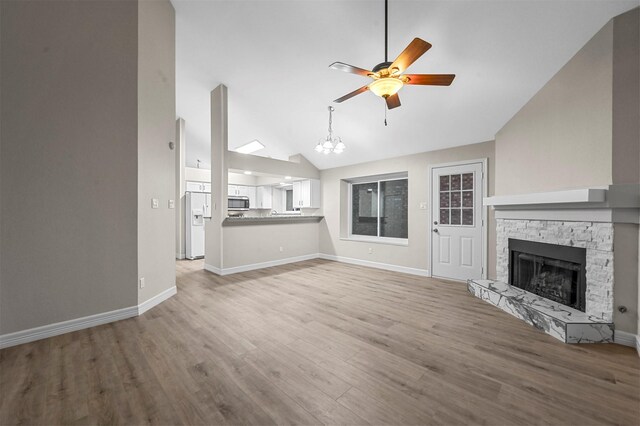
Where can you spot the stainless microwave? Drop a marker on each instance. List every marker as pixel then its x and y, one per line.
pixel 238 203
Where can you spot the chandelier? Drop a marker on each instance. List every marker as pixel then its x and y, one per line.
pixel 330 143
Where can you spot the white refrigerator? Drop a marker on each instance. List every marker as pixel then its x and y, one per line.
pixel 198 208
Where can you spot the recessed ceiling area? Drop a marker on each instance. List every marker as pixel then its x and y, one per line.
pixel 274 57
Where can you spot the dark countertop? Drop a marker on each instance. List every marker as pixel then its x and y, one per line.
pixel 270 220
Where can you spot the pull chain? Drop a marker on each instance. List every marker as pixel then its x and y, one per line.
pixel 385 114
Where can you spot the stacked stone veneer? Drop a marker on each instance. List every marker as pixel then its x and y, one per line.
pixel 596 237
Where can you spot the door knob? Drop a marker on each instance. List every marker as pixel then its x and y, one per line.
pixel 435 223
pixel 435 230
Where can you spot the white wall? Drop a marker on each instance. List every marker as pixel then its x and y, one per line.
pixel 69 160
pixel 416 254
pixel 156 161
pixel 197 175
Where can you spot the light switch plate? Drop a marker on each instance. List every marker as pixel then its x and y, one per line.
pixel 423 205
pixel 172 204
pixel 155 203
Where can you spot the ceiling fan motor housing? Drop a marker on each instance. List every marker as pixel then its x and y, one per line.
pixel 381 66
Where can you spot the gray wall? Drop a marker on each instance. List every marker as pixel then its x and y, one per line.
pixel 88 110
pixel 588 116
pixel 562 137
pixel 156 162
pixel 69 160
pixel 416 254
pixel 248 245
pixel 626 97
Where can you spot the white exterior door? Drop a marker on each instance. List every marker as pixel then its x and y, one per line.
pixel 457 221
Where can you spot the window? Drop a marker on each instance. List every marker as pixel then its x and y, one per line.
pixel 379 209
pixel 456 199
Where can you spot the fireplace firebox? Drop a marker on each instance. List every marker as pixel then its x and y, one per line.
pixel 552 271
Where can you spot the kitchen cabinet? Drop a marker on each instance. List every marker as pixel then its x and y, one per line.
pixel 306 194
pixel 264 197
pixel 197 187
pixel 244 191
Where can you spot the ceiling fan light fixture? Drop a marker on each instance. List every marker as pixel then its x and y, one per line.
pixel 319 147
pixel 385 87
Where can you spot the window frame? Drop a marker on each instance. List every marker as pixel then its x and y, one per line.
pixel 370 238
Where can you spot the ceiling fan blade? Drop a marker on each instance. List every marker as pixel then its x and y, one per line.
pixel 410 54
pixel 393 101
pixel 430 79
pixel 350 68
pixel 352 94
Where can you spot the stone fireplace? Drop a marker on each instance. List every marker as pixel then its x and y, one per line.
pixel 555 259
pixel 596 241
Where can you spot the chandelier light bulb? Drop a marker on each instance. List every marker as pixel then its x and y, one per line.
pixel 330 143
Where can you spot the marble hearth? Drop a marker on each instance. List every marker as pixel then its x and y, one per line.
pixel 564 323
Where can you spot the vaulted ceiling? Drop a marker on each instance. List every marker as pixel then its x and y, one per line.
pixel 274 57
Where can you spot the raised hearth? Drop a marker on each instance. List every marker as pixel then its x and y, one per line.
pixel 562 322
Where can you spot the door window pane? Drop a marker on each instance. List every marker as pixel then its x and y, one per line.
pixel 444 216
pixel 455 182
pixel 444 199
pixel 444 183
pixel 455 199
pixel 455 216
pixel 467 199
pixel 364 207
pixel 394 197
pixel 467 181
pixel 467 216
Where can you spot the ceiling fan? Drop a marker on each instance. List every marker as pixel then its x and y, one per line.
pixel 387 76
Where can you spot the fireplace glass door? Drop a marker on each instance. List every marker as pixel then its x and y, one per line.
pixel 551 271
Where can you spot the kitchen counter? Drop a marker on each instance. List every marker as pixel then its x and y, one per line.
pixel 270 220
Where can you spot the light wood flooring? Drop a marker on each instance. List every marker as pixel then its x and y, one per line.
pixel 317 342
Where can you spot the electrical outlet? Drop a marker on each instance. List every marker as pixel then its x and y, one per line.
pixel 155 203
pixel 142 282
pixel 281 249
pixel 370 250
pixel 172 204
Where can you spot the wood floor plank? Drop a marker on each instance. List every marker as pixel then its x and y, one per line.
pixel 317 342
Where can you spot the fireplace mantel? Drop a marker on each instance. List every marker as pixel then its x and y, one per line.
pixel 614 204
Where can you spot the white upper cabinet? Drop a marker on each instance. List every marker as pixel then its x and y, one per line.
pixel 197 187
pixel 264 197
pixel 306 194
pixel 244 191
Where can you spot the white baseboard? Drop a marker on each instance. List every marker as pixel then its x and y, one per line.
pixel 254 266
pixel 181 256
pixel 624 338
pixel 638 344
pixel 56 329
pixel 156 300
pixel 50 330
pixel 213 269
pixel 378 265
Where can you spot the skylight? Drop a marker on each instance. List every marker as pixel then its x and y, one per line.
pixel 250 147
